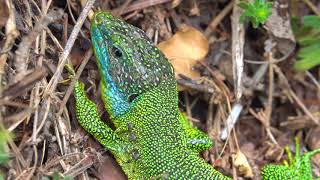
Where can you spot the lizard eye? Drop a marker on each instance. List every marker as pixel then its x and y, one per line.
pixel 116 52
pixel 132 97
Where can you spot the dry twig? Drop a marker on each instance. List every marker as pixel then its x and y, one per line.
pixel 237 50
pixel 215 22
pixel 293 94
pixel 63 59
pixel 22 53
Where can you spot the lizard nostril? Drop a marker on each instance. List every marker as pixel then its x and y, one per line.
pixel 101 17
pixel 98 18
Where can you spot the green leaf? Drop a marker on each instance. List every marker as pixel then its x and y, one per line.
pixel 310 57
pixel 312 21
pixel 57 176
pixel 307 63
pixel 307 33
pixel 308 40
pixel 309 50
pixel 243 5
pixel 4 157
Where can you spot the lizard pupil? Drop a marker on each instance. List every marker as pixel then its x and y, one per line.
pixel 116 52
pixel 132 97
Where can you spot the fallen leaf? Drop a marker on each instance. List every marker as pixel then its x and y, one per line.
pixel 241 162
pixel 184 49
pixel 175 3
pixel 4 11
pixel 279 25
pixel 314 141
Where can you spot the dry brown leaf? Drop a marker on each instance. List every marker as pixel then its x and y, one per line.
pixel 280 25
pixel 4 13
pixel 184 49
pixel 175 3
pixel 241 162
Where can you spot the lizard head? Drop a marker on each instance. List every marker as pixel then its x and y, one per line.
pixel 129 63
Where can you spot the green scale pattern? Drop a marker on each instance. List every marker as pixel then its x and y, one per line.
pixel 152 139
pixel 298 168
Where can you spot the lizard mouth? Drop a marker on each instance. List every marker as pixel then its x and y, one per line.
pixel 100 47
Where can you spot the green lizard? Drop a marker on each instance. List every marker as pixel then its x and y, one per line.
pixel 298 168
pixel 152 138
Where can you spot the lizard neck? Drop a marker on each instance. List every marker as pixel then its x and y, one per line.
pixel 114 101
pixel 163 96
pixel 160 101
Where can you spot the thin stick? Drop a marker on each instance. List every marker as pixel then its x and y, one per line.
pixel 270 98
pixel 11 34
pixel 237 50
pixel 294 96
pixel 215 22
pixel 138 5
pixel 63 59
pixel 22 52
pixel 76 77
pixel 314 80
pixel 312 7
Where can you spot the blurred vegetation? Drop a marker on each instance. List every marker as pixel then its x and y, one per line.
pixel 307 33
pixel 4 155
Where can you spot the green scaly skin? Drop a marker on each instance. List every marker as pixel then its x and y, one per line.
pixel 152 138
pixel 298 168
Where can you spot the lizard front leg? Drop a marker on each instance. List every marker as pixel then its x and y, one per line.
pixel 89 119
pixel 197 140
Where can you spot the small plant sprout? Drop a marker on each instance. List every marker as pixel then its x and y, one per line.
pixel 256 12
